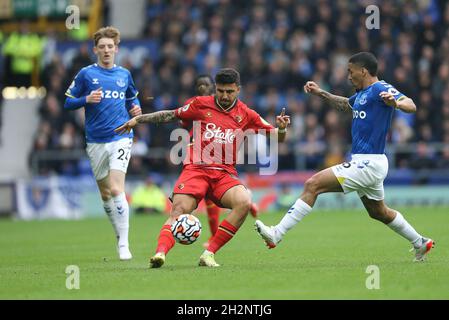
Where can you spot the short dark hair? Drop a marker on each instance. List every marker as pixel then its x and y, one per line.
pixel 365 60
pixel 201 76
pixel 228 76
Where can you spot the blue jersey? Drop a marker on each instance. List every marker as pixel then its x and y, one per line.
pixel 119 93
pixel 371 118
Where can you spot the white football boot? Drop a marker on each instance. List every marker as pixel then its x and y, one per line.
pixel 269 234
pixel 124 253
pixel 423 250
pixel 207 259
pixel 157 260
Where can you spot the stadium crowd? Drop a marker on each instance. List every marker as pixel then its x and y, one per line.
pixel 277 46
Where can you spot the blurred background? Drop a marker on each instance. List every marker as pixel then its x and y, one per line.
pixel 277 45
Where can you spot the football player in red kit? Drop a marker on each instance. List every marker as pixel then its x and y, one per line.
pixel 220 124
pixel 204 86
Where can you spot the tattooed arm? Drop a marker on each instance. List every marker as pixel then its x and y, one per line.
pixel 154 117
pixel 157 117
pixel 338 102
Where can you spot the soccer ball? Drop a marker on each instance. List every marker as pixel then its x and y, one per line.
pixel 186 229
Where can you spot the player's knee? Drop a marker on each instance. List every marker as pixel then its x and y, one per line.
pixel 178 209
pixel 115 191
pixel 311 186
pixel 243 205
pixel 105 194
pixel 378 213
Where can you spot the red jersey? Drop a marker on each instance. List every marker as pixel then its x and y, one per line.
pixel 218 133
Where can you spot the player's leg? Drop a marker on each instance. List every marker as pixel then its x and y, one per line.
pixel 182 204
pixel 121 206
pixel 322 182
pixel 119 155
pixel 189 189
pixel 396 221
pixel 99 160
pixel 238 200
pixel 213 217
pixel 108 204
pixel 254 210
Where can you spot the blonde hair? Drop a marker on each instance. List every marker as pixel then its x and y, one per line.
pixel 107 32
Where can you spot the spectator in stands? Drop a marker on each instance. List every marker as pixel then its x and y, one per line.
pixel 148 198
pixel 280 44
pixel 83 58
pixel 443 159
pixel 24 50
pixel 423 160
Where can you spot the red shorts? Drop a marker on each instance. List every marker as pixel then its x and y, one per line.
pixel 209 183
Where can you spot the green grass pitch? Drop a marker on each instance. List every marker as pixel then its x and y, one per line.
pixel 324 257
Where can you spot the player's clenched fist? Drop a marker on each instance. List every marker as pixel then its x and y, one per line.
pixel 94 96
pixel 312 87
pixel 126 127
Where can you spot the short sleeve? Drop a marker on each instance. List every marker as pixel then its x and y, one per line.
pixel 77 87
pixel 131 92
pixel 352 99
pixel 256 122
pixel 391 90
pixel 189 111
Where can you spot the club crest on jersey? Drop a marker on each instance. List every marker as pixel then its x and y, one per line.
pixel 121 83
pixel 208 114
pixel 95 81
pixel 238 119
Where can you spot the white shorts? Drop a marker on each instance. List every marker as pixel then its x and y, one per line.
pixel 111 155
pixel 365 173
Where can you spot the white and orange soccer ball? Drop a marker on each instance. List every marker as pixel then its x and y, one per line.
pixel 186 229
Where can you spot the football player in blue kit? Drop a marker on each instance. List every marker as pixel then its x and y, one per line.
pixel 109 97
pixel 372 107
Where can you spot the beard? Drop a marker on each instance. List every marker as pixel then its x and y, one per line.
pixel 225 103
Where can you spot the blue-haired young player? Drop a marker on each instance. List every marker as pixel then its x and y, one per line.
pixel 109 97
pixel 372 107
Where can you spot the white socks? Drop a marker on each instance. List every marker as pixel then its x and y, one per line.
pixel 402 227
pixel 117 210
pixel 121 214
pixel 110 212
pixel 298 211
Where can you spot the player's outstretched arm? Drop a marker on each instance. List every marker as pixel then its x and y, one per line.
pixel 157 117
pixel 338 102
pixel 154 117
pixel 404 103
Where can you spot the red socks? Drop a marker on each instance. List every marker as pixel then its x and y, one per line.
pixel 225 233
pixel 213 214
pixel 166 241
